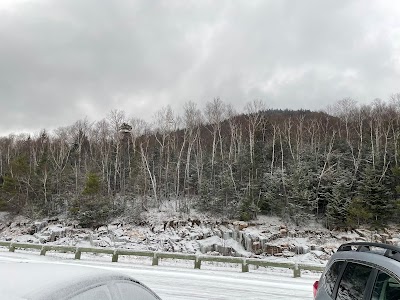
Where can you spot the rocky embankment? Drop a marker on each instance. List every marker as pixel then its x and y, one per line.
pixel 236 238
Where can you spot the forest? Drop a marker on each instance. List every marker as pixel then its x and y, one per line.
pixel 339 166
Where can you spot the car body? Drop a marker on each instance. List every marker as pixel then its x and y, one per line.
pixel 51 281
pixel 361 271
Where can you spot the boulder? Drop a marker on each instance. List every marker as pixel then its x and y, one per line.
pixel 26 239
pixel 363 233
pixel 240 225
pixel 288 253
pixel 272 249
pixel 299 249
pixel 56 232
pixel 384 237
pixel 39 226
pixel 257 248
pixel 377 238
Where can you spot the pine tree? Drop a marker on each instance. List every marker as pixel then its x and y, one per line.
pixel 301 192
pixel 273 194
pixel 92 186
pixel 339 200
pixel 376 196
pixel 93 209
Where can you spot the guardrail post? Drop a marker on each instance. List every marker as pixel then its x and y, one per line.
pixel 197 263
pixel 78 253
pixel 11 248
pixel 296 271
pixel 43 251
pixel 155 259
pixel 115 256
pixel 245 266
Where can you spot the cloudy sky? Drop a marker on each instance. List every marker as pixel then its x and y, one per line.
pixel 62 60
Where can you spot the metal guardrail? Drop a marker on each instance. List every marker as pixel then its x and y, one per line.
pixel 156 256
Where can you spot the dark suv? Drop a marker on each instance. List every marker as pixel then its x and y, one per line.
pixel 361 271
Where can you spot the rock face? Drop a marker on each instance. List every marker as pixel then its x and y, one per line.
pixel 246 239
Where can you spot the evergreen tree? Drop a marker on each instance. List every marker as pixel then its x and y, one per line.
pixel 273 194
pixel 92 186
pixel 339 200
pixel 357 213
pixel 11 197
pixel 376 196
pixel 301 188
pixel 395 183
pixel 94 208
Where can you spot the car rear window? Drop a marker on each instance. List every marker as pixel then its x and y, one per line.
pixel 353 282
pixel 332 275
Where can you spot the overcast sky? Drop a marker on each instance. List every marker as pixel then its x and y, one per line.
pixel 62 60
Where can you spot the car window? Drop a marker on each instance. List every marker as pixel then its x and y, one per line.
pixel 386 288
pixel 332 275
pixel 97 293
pixel 353 282
pixel 132 291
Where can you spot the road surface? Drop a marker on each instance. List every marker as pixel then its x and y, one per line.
pixel 176 283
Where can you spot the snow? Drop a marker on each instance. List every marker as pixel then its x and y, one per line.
pixel 26 238
pixel 176 283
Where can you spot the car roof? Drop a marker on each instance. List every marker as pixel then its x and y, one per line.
pixel 45 281
pixel 370 258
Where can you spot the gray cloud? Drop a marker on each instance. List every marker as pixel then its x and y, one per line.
pixel 66 59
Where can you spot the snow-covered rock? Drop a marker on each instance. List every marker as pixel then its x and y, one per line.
pixel 260 238
pixel 56 232
pixel 26 239
pixel 227 247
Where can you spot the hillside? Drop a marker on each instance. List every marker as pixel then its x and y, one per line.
pixel 341 168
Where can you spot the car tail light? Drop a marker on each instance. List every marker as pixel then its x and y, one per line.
pixel 315 288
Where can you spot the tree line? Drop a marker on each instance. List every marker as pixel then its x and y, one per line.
pixel 340 165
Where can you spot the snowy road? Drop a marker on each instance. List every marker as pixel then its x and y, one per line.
pixel 172 283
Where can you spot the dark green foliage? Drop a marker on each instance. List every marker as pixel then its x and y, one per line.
pixel 11 197
pixel 9 185
pixel 248 209
pixel 3 205
pixel 92 208
pixel 93 212
pixel 376 197
pixel 339 201
pixel 300 189
pixel 92 186
pixel 20 166
pixel 273 201
pixel 218 198
pixel 357 213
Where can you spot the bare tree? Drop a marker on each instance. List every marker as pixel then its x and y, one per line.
pixel 254 111
pixel 216 113
pixel 116 119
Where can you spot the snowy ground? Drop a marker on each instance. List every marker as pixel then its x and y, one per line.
pixel 212 282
